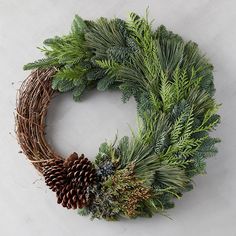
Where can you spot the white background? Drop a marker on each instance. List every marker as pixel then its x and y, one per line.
pixel 26 206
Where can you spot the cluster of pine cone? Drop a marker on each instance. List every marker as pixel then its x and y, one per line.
pixel 70 179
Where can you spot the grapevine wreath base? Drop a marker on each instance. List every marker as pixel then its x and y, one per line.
pixel 172 83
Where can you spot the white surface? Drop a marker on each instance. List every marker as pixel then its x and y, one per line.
pixel 26 206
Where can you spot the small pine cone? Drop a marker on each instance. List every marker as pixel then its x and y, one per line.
pixel 54 174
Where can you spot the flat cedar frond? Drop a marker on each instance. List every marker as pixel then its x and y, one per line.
pixel 166 92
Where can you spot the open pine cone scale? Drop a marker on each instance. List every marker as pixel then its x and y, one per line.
pixel 70 179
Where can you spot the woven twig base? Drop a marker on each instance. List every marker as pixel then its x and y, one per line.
pixel 33 99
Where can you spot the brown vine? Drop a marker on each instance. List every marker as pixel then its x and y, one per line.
pixel 33 99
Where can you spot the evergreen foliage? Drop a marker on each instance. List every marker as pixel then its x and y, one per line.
pixel 172 83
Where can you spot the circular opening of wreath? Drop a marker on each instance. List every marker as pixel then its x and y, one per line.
pixel 84 125
pixel 172 84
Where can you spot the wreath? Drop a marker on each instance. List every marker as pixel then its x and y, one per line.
pixel 172 83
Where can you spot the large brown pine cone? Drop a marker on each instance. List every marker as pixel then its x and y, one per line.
pixel 70 179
